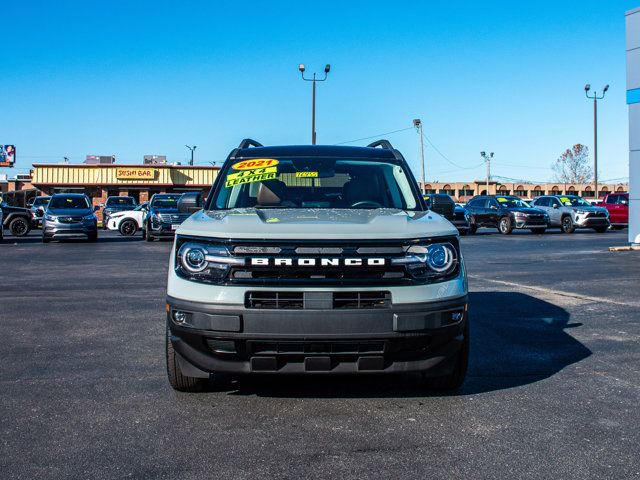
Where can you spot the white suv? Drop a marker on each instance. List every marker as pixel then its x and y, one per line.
pixel 129 221
pixel 315 260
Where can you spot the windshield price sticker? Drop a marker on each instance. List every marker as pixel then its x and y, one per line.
pixel 250 176
pixel 565 200
pixel 255 164
pixel 307 174
pixel 502 199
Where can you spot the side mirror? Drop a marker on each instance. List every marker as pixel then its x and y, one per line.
pixel 96 208
pixel 40 210
pixel 190 202
pixel 101 205
pixel 493 207
pixel 555 205
pixel 624 202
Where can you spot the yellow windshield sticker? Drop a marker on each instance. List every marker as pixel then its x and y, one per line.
pixel 565 200
pixel 502 199
pixel 273 220
pixel 250 176
pixel 307 174
pixel 255 163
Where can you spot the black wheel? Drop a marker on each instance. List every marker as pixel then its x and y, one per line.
pixel 177 380
pixel 128 228
pixel 601 229
pixel 45 239
pixel 567 225
pixel 473 228
pixel 538 231
pixel 19 227
pixel 453 380
pixel 93 237
pixel 504 226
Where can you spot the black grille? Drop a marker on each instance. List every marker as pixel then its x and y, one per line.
pixel 310 348
pixel 69 219
pixel 280 300
pixel 361 299
pixel 317 300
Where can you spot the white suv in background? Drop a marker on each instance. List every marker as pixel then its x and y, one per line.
pixel 129 221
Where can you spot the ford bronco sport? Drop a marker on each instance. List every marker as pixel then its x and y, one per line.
pixel 315 260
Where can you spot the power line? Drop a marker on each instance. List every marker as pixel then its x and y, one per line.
pixel 375 136
pixel 447 159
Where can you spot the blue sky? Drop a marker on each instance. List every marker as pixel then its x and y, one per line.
pixel 145 77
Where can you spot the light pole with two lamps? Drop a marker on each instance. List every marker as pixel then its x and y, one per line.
pixel 313 101
pixel 595 98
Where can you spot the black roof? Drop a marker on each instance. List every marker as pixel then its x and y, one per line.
pixel 313 151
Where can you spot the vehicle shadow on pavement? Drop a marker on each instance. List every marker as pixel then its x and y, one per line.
pixel 516 339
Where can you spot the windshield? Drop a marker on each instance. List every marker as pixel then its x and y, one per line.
pixel 63 202
pixel 315 183
pixel 39 202
pixel 573 201
pixel 165 201
pixel 512 202
pixel 141 206
pixel 120 201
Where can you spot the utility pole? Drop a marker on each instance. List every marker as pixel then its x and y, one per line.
pixel 301 67
pixel 192 150
pixel 418 124
pixel 487 159
pixel 595 98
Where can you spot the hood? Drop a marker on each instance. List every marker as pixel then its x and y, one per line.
pixel 590 208
pixel 70 212
pixel 527 210
pixel 165 210
pixel 316 224
pixel 121 213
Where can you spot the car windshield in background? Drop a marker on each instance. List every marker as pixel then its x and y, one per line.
pixel 165 201
pixel 41 202
pixel 141 206
pixel 120 201
pixel 574 202
pixel 68 202
pixel 511 202
pixel 315 183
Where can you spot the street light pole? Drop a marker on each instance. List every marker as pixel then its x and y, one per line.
pixel 418 124
pixel 487 159
pixel 192 150
pixel 301 67
pixel 595 98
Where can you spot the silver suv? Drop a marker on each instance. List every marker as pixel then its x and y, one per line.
pixel 315 260
pixel 571 211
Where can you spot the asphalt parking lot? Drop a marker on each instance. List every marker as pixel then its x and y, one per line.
pixel 552 392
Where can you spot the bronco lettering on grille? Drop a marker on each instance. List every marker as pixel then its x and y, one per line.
pixel 318 262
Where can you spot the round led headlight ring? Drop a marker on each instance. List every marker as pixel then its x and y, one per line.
pixel 440 257
pixel 193 259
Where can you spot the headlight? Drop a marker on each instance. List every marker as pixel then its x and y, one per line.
pixel 431 261
pixel 204 262
pixel 50 218
pixel 520 214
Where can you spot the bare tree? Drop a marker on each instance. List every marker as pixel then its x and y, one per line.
pixel 573 166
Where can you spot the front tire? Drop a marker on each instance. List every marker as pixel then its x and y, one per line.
pixel 505 226
pixel 146 235
pixel 128 228
pixel 45 239
pixel 19 227
pixel 453 380
pixel 177 380
pixel 567 225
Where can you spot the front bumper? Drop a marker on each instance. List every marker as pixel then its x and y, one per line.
pixel 163 229
pixel 234 339
pixel 590 222
pixel 58 230
pixel 524 223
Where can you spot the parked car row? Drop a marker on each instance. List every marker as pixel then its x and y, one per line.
pixel 507 213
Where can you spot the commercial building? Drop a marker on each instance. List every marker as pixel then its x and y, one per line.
pixel 463 191
pixel 100 181
pixel 633 100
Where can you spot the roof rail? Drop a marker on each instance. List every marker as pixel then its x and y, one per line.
pixel 248 142
pixel 386 144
